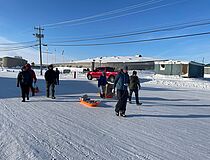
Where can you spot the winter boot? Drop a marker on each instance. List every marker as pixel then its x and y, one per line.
pixel 122 114
pixel 138 104
pixel 117 113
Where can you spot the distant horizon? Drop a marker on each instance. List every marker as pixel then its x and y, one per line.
pixel 71 61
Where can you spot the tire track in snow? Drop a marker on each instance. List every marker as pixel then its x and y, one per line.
pixel 74 145
pixel 30 134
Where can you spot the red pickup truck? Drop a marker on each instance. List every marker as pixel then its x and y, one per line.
pixel 110 73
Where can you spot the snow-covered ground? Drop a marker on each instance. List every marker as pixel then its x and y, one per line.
pixel 172 124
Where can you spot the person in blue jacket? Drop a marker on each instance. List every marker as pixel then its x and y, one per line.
pixel 23 81
pixel 121 83
pixel 102 81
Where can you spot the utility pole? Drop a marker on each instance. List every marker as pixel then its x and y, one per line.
pixel 39 36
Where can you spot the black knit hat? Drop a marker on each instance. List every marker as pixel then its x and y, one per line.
pixel 134 73
pixel 50 66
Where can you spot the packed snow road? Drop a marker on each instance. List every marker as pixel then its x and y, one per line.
pixel 171 124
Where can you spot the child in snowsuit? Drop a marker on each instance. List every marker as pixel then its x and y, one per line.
pixel 23 80
pixel 134 87
pixel 102 81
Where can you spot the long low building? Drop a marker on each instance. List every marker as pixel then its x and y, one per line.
pixel 11 62
pixel 133 62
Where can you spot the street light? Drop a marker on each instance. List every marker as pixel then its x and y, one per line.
pixel 100 61
pixel 62 55
pixel 47 51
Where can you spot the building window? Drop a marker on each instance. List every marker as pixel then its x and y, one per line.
pixel 162 66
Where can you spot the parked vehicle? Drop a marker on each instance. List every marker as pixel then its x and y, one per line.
pixel 110 73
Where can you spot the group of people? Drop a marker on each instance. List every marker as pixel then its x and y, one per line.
pixel 26 80
pixel 122 82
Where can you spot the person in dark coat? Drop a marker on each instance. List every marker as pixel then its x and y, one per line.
pixel 121 83
pixel 33 78
pixel 57 76
pixel 134 87
pixel 50 77
pixel 102 81
pixel 24 80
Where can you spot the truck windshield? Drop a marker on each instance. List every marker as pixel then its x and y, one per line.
pixel 109 69
pixel 100 69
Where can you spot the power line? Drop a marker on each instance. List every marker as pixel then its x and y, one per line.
pixel 17 48
pixel 108 18
pixel 14 47
pixel 17 43
pixel 162 29
pixel 104 14
pixel 122 15
pixel 136 41
pixel 193 22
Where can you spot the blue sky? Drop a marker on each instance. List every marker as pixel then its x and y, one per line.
pixel 18 18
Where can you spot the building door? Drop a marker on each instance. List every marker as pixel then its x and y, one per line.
pixel 184 69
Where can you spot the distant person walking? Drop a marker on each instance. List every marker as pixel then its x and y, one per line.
pixel 50 77
pixel 33 78
pixel 134 87
pixel 57 75
pixel 24 80
pixel 102 81
pixel 121 83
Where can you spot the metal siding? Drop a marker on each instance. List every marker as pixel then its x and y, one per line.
pixel 176 69
pixel 207 70
pixel 196 71
pixel 167 70
pixel 170 69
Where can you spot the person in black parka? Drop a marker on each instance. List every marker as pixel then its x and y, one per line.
pixel 23 80
pixel 121 83
pixel 57 76
pixel 134 87
pixel 50 77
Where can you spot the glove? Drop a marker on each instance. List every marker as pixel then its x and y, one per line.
pixel 113 91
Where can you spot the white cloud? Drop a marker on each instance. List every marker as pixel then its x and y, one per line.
pixel 30 54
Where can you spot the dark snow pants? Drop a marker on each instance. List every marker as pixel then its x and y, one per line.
pixel 136 91
pixel 57 80
pixel 24 91
pixel 52 86
pixel 122 96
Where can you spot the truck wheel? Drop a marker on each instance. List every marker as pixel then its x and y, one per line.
pixel 89 77
pixel 111 79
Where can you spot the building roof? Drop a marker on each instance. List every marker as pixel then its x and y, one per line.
pixel 136 58
pixel 178 62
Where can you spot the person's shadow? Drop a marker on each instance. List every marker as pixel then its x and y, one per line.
pixel 168 116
